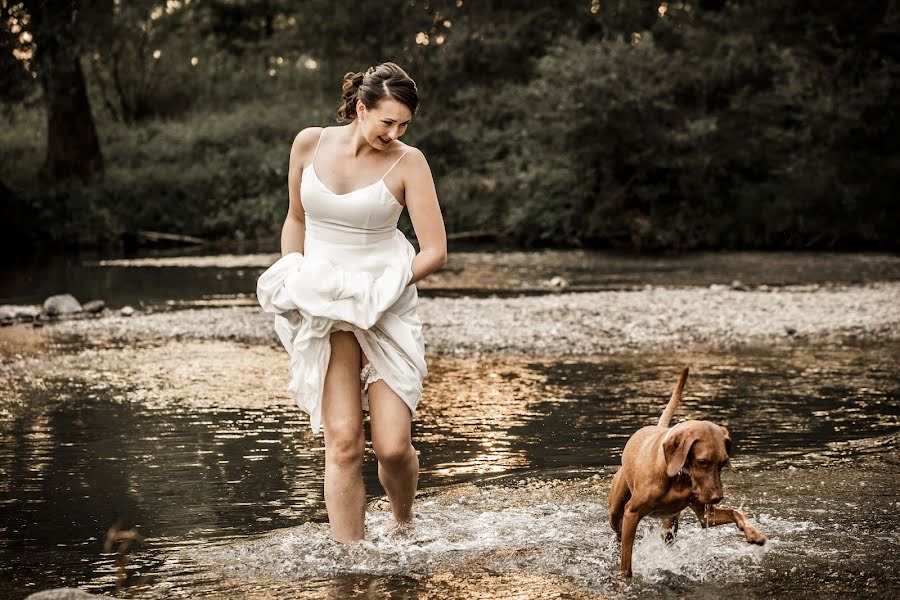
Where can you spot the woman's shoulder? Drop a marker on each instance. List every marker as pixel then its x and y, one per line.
pixel 409 153
pixel 308 137
pixel 412 160
pixel 304 146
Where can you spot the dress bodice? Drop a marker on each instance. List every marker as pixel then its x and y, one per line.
pixel 366 215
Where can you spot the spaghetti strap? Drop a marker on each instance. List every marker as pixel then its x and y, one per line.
pixel 396 163
pixel 319 141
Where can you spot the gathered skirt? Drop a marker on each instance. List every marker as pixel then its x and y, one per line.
pixel 361 288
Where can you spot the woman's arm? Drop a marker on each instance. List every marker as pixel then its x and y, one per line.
pixel 425 214
pixel 293 231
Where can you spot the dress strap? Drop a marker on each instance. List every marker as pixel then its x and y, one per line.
pixel 396 163
pixel 319 141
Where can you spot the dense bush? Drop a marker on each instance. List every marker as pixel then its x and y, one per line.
pixel 682 137
pixel 755 124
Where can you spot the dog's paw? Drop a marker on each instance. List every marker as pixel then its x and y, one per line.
pixel 668 536
pixel 754 536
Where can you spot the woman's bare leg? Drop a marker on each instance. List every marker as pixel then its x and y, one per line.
pixel 398 464
pixel 345 495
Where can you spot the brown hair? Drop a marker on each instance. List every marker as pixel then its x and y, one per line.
pixel 387 80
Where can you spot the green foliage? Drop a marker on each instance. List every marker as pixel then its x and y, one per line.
pixel 217 175
pixel 700 140
pixel 752 124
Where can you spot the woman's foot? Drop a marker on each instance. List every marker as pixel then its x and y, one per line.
pixel 401 530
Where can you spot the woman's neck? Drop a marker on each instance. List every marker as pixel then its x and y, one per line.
pixel 358 144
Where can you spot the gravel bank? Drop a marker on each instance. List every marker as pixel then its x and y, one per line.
pixel 572 324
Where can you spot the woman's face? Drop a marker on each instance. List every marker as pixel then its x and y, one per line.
pixel 384 122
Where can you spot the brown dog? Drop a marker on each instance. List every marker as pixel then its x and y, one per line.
pixel 666 469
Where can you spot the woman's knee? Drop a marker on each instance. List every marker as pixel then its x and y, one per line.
pixel 393 452
pixel 345 447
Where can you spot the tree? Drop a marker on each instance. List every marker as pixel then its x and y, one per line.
pixel 60 29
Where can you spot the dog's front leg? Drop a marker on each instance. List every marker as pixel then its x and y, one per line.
pixel 710 516
pixel 629 528
pixel 669 529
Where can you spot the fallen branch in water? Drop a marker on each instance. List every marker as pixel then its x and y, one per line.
pixel 158 236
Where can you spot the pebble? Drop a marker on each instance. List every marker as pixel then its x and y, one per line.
pixel 558 282
pixel 565 324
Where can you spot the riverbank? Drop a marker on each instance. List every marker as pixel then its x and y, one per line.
pixel 565 324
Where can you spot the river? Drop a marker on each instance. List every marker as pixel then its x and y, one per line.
pixel 194 444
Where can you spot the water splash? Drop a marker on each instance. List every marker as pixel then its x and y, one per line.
pixel 556 528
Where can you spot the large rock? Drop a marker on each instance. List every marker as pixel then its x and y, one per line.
pixel 61 304
pixel 63 594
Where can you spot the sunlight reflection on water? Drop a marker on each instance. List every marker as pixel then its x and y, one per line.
pixel 198 444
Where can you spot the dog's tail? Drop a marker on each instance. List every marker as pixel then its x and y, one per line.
pixel 673 402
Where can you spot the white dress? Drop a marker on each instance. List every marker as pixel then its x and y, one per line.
pixel 354 276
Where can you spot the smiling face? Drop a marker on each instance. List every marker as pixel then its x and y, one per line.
pixel 384 122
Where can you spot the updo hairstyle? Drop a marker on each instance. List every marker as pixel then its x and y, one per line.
pixel 387 80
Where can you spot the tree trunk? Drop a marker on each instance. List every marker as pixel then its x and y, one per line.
pixel 73 149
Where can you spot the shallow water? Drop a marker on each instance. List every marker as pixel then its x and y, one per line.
pixel 197 446
pixel 163 279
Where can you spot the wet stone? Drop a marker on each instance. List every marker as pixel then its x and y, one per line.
pixel 63 594
pixel 12 311
pixel 94 306
pixel 61 304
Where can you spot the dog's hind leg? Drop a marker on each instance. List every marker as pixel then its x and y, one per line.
pixel 619 495
pixel 669 529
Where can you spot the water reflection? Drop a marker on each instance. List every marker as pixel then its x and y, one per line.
pixel 472 409
pixel 231 279
pixel 198 445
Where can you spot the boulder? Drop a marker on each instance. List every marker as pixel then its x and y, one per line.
pixel 61 304
pixel 94 306
pixel 126 311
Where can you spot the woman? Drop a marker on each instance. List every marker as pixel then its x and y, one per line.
pixel 344 292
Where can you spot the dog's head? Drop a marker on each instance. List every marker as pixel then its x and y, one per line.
pixel 703 448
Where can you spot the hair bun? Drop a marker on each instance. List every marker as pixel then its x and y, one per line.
pixel 349 89
pixel 386 80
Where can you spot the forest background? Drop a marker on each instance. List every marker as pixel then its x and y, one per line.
pixel 624 124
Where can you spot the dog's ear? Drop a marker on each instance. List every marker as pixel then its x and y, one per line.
pixel 728 445
pixel 676 449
